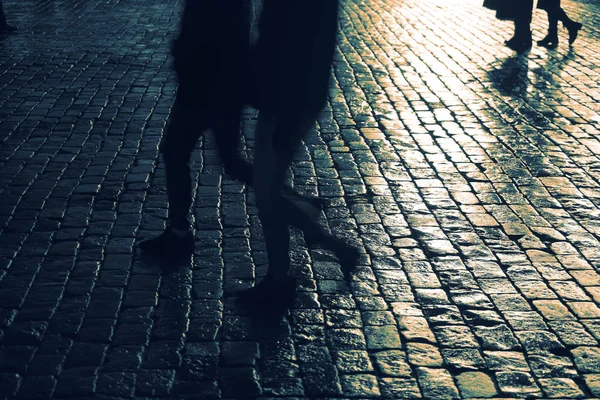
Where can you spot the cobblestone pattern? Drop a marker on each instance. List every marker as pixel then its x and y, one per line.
pixel 469 176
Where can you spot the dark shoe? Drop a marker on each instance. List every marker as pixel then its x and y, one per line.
pixel 169 245
pixel 573 29
pixel 519 43
pixel 549 42
pixel 511 42
pixel 315 202
pixel 347 254
pixel 269 296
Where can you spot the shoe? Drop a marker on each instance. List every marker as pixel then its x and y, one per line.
pixel 573 29
pixel 315 202
pixel 519 43
pixel 511 42
pixel 549 42
pixel 520 46
pixel 346 254
pixel 169 245
pixel 269 296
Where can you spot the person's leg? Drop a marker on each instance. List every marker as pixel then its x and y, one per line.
pixel 226 127
pixel 551 39
pixel 270 169
pixel 299 211
pixel 4 26
pixel 521 41
pixel 277 290
pixel 572 26
pixel 181 136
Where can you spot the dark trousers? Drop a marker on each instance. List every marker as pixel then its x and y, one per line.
pixel 523 18
pixel 555 14
pixel 187 122
pixel 278 136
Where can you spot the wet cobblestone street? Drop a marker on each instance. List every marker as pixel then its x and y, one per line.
pixel 468 176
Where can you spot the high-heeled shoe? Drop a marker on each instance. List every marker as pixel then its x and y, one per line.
pixel 573 29
pixel 549 42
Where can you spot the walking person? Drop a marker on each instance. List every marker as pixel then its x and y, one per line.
pixel 4 26
pixel 555 14
pixel 294 56
pixel 519 11
pixel 210 56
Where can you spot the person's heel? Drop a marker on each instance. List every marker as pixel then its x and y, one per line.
pixel 549 42
pixel 573 28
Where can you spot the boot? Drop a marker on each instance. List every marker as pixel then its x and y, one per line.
pixel 549 42
pixel 520 43
pixel 573 28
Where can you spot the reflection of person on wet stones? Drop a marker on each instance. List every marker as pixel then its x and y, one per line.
pixel 4 26
pixel 210 55
pixel 294 55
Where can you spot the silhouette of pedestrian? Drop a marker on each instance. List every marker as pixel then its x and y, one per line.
pixel 4 26
pixel 294 55
pixel 519 11
pixel 555 14
pixel 210 56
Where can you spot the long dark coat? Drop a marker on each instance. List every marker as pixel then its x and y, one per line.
pixel 210 53
pixel 508 9
pixel 293 57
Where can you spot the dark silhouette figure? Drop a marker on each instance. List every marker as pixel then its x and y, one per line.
pixel 211 57
pixel 292 68
pixel 555 14
pixel 4 26
pixel 519 11
pixel 208 55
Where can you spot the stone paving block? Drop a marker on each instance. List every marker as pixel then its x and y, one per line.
pixel 587 359
pixel 361 386
pixel 476 384
pixel 561 388
pixel 393 388
pixel 353 361
pixel 154 382
pixel 517 383
pixel 423 354
pixel 436 383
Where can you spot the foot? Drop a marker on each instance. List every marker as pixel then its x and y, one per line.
pixel 347 254
pixel 520 46
pixel 549 42
pixel 573 29
pixel 511 42
pixel 269 295
pixel 315 202
pixel 170 245
pixel 519 43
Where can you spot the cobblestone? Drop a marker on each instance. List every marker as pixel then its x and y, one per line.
pixel 468 176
